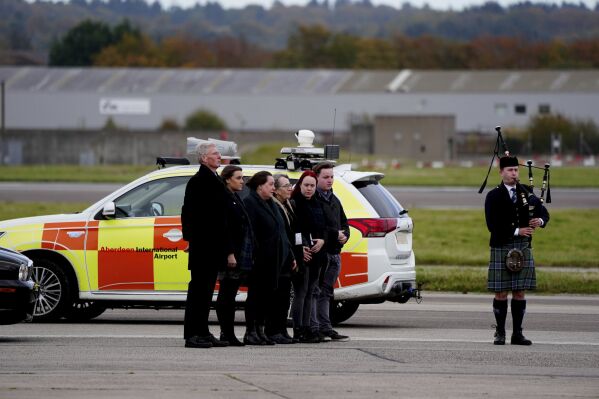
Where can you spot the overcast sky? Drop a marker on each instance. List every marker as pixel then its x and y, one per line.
pixel 437 4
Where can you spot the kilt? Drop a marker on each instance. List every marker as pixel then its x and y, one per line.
pixel 500 279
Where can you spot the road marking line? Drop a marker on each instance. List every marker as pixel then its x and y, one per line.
pixel 365 339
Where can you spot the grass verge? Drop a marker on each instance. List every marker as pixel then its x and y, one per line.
pixel 266 154
pixel 74 173
pixel 460 237
pixel 474 279
pixel 14 210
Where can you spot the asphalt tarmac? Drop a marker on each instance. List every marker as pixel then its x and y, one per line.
pixel 409 197
pixel 440 348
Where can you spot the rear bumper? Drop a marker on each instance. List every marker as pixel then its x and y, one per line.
pixel 392 286
pixel 17 301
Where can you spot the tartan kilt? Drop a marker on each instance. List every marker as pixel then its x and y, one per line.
pixel 500 279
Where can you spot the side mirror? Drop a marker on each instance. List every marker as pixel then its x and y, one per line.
pixel 157 209
pixel 109 209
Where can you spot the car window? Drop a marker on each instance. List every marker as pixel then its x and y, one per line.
pixel 381 199
pixel 162 197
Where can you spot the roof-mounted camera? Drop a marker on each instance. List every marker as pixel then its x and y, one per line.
pixel 305 155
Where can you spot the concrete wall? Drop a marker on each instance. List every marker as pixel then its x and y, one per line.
pixel 420 138
pixel 90 147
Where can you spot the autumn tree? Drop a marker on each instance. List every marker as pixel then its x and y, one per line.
pixel 83 42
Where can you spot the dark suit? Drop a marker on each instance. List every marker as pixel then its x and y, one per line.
pixel 205 227
pixel 503 216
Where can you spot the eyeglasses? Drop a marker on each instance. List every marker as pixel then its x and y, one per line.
pixel 288 185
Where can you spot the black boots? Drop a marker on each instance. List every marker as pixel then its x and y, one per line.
pixel 518 310
pixel 263 337
pixel 500 311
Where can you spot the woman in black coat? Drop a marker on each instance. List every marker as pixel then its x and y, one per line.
pixel 271 254
pixel 276 328
pixel 240 263
pixel 311 219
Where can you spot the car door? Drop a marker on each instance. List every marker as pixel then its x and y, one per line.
pixel 141 248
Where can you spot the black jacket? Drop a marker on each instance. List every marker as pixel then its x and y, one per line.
pixel 287 211
pixel 273 250
pixel 503 216
pixel 204 217
pixel 312 223
pixel 240 231
pixel 335 221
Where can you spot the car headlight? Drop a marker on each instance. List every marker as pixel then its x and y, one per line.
pixel 25 271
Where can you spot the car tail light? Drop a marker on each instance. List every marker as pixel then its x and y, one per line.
pixel 375 227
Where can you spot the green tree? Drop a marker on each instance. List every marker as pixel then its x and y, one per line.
pixel 577 136
pixel 169 125
pixel 80 44
pixel 204 120
pixel 87 39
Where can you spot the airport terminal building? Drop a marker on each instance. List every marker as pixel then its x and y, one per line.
pixel 408 111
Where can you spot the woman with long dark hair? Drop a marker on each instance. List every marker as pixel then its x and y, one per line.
pixel 240 264
pixel 271 255
pixel 311 220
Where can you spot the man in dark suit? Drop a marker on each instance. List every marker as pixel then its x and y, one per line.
pixel 204 223
pixel 512 214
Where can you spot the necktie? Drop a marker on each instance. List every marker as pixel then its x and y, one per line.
pixel 513 195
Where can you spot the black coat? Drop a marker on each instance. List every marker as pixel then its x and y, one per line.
pixel 312 223
pixel 503 216
pixel 335 221
pixel 291 227
pixel 273 250
pixel 204 217
pixel 240 230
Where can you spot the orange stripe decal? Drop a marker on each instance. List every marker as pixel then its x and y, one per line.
pixel 354 269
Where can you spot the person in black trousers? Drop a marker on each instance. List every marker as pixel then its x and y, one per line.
pixel 237 269
pixel 271 255
pixel 312 224
pixel 276 328
pixel 205 227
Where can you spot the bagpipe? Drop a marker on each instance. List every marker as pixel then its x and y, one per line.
pixel 525 190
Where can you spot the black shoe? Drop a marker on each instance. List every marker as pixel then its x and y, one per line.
pixel 263 337
pixel 335 336
pixel 197 342
pixel 286 335
pixel 231 339
pixel 309 337
pixel 322 337
pixel 499 338
pixel 215 342
pixel 280 339
pixel 519 339
pixel 251 338
pixel 297 334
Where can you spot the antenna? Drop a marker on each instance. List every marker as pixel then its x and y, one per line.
pixel 334 118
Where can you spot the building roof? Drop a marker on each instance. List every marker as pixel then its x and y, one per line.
pixel 146 81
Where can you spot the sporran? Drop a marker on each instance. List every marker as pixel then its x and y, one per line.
pixel 514 261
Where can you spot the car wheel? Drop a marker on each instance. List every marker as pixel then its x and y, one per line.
pixel 341 311
pixel 54 290
pixel 84 311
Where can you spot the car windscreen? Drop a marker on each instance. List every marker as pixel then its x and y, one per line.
pixel 381 199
